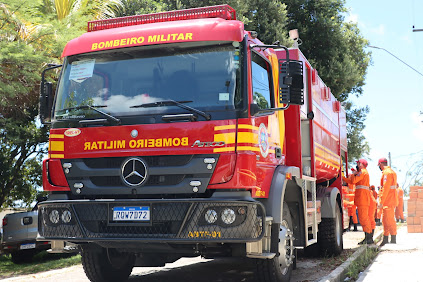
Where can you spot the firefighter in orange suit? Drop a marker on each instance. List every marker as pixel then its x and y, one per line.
pixel 379 210
pixel 361 180
pixel 399 215
pixel 372 209
pixel 352 209
pixel 388 201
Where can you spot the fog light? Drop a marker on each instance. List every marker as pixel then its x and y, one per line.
pixel 211 216
pixel 66 216
pixel 54 216
pixel 228 216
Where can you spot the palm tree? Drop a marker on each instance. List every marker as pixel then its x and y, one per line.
pixel 99 8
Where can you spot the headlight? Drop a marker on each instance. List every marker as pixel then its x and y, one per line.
pixel 54 216
pixel 66 216
pixel 228 216
pixel 211 216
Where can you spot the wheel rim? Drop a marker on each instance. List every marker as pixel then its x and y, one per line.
pixel 286 247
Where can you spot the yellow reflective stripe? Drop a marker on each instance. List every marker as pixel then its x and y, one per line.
pixel 228 138
pixel 248 148
pixel 57 156
pixel 326 162
pixel 225 127
pixel 247 137
pixel 225 149
pixel 247 126
pixel 322 154
pixel 57 136
pixel 57 145
pixel 326 150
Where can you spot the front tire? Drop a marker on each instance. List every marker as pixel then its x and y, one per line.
pixel 102 264
pixel 279 268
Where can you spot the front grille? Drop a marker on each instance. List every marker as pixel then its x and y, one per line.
pixel 171 220
pixel 166 221
pixel 169 174
pixel 152 161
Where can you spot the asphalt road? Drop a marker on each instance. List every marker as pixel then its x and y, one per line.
pixel 198 269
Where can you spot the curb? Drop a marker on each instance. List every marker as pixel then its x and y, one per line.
pixel 338 274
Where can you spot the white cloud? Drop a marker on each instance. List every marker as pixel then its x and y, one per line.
pixel 352 18
pixel 379 30
pixel 407 40
pixel 417 119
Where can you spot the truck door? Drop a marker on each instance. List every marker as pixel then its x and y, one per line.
pixel 265 124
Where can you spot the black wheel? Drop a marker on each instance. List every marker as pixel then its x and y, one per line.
pixel 329 236
pixel 280 267
pixel 19 257
pixel 102 264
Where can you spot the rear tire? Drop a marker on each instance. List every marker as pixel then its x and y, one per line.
pixel 102 264
pixel 329 236
pixel 280 267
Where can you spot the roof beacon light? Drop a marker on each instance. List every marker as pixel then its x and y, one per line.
pixel 220 11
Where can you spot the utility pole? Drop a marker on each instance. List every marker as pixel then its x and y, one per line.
pixel 389 157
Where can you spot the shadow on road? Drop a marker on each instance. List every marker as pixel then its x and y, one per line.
pixel 226 270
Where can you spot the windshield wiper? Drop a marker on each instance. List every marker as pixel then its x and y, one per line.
pixel 94 108
pixel 174 103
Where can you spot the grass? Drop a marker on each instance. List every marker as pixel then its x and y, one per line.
pixel 361 263
pixel 41 262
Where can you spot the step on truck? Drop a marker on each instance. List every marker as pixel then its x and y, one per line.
pixel 180 134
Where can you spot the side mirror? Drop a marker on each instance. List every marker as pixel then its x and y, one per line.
pixel 46 96
pixel 291 85
pixel 46 101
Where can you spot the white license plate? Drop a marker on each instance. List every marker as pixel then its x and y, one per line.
pixel 131 213
pixel 27 246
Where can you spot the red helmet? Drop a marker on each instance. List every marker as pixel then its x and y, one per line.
pixel 382 160
pixel 363 162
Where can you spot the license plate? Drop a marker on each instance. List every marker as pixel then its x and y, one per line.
pixel 131 214
pixel 27 246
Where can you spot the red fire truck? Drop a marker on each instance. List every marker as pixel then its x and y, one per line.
pixel 180 134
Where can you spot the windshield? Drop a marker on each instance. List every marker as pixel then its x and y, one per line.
pixel 120 82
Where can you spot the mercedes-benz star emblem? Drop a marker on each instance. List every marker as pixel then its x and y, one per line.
pixel 134 172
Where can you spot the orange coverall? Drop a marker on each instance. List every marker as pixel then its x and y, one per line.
pixel 350 202
pixel 372 209
pixel 399 209
pixel 362 197
pixel 389 200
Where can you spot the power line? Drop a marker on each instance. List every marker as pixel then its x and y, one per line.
pixel 370 46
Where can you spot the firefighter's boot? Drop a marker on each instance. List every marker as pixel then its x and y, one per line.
pixel 370 238
pixel 355 227
pixel 350 223
pixel 366 238
pixel 393 239
pixel 402 220
pixel 384 241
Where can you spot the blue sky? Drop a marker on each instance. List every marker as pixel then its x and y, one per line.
pixel 393 91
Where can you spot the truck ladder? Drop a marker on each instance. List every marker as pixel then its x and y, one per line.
pixel 310 209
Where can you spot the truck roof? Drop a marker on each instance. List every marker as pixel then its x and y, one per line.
pixel 209 29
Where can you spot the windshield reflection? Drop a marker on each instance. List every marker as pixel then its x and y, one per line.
pixel 207 76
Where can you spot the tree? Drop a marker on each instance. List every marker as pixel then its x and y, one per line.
pixel 336 49
pixel 21 141
pixel 266 17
